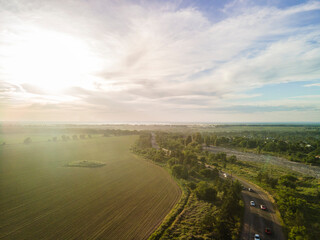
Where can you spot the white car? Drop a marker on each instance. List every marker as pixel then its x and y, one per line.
pixel 257 237
pixel 252 203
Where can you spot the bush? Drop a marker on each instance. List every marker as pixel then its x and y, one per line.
pixel 27 140
pixel 210 173
pixel 179 171
pixel 205 192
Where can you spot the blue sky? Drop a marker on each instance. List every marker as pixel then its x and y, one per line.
pixel 192 61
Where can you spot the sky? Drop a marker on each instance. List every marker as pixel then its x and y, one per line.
pixel 160 61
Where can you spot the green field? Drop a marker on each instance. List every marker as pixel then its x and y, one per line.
pixel 42 198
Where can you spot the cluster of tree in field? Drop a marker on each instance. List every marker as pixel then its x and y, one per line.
pixel 186 161
pixel 66 138
pixel 117 132
pixel 299 147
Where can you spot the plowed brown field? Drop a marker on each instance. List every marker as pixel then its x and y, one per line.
pixel 41 198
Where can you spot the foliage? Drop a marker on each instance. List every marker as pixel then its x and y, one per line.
pixel 296 195
pixel 207 214
pixel 296 146
pixel 205 192
pixel 180 171
pixel 27 140
pixel 209 173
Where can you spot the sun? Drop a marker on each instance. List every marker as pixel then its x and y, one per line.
pixel 49 61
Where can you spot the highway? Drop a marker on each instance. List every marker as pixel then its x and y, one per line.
pixel 255 219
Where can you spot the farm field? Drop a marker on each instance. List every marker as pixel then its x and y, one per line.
pixel 42 198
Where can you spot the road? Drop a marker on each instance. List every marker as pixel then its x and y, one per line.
pixel 153 141
pixel 256 220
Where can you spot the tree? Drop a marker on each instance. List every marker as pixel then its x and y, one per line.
pixel 207 140
pixel 197 138
pixel 221 156
pixel 205 192
pixel 288 181
pixel 190 158
pixel 27 140
pixel 172 161
pixel 188 140
pixel 210 173
pixel 298 233
pixel 179 171
pixel 251 144
pixel 232 159
pixel 270 147
pixel 259 177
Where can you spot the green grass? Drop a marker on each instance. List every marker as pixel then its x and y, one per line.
pixel 188 225
pixel 41 198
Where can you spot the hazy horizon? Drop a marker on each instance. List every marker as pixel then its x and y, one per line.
pixel 153 123
pixel 235 61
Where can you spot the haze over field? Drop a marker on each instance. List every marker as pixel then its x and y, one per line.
pixel 160 60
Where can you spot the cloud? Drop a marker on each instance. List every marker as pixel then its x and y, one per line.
pixel 161 57
pixel 312 85
pixel 264 109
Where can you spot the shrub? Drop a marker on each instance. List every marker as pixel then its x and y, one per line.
pixel 27 140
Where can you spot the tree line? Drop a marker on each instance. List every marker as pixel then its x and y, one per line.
pixel 186 162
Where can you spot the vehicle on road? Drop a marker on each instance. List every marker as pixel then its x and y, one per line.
pixel 263 207
pixel 267 231
pixel 250 189
pixel 225 175
pixel 257 237
pixel 252 203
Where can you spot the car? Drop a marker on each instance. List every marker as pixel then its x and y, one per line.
pixel 252 203
pixel 257 237
pixel 225 175
pixel 263 207
pixel 250 189
pixel 267 231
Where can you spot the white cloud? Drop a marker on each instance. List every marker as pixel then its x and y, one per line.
pixel 312 85
pixel 160 57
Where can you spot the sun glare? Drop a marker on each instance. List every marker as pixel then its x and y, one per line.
pixel 49 61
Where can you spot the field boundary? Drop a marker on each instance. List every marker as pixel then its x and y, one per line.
pixel 172 215
pixel 167 222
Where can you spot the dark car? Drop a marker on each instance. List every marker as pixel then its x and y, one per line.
pixel 267 231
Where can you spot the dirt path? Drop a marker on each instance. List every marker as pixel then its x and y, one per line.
pixel 253 157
